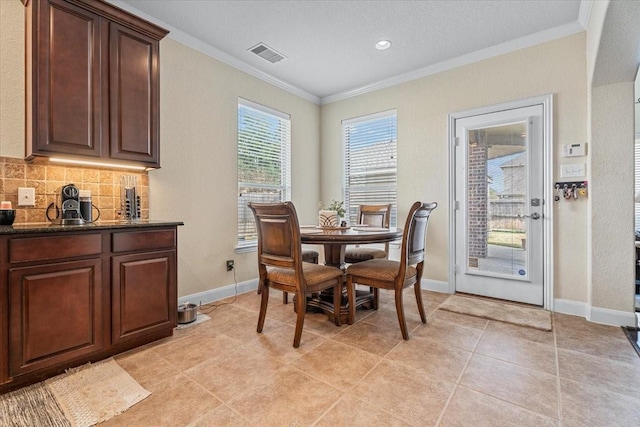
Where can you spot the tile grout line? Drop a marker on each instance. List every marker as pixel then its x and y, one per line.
pixel 464 368
pixel 222 402
pixel 558 384
pixel 329 409
pixel 489 395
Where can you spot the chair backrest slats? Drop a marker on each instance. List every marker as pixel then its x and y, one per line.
pixel 375 215
pixel 278 234
pixel 415 234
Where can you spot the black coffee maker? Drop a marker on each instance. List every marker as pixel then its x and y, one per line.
pixel 67 206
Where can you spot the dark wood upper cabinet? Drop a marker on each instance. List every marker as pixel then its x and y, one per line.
pixel 134 87
pixel 92 82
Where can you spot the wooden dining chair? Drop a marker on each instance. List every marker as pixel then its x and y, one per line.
pixel 308 255
pixel 280 264
pixel 396 275
pixel 374 216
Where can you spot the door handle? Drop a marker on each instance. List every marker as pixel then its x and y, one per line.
pixel 534 215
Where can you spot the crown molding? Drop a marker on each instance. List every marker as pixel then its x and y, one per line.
pixel 215 53
pixel 585 12
pixel 479 55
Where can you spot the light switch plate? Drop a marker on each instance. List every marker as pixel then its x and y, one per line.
pixel 26 196
pixel 573 170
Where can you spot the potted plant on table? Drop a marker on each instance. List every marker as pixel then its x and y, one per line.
pixel 329 215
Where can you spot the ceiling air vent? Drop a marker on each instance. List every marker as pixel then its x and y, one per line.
pixel 264 51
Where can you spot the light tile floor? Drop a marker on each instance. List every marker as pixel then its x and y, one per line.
pixel 454 371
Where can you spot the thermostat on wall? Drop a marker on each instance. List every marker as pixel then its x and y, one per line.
pixel 574 150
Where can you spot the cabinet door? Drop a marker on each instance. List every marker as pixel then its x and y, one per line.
pixel 144 294
pixel 134 92
pixel 67 96
pixel 55 314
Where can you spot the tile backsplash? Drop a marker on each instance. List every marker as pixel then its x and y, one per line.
pixel 104 184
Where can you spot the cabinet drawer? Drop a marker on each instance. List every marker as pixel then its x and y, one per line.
pixel 54 247
pixel 144 240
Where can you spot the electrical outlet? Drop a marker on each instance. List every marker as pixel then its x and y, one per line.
pixel 230 265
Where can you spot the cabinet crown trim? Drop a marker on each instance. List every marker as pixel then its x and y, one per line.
pixel 122 17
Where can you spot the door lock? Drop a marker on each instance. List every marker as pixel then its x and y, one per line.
pixel 534 215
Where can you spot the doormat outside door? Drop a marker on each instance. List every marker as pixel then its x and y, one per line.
pixel 536 318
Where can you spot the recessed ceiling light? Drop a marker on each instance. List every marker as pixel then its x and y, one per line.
pixel 383 45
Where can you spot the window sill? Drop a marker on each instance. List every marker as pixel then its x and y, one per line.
pixel 245 249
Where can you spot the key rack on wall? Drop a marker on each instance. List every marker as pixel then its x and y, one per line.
pixel 570 190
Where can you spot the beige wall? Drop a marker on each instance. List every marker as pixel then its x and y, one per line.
pixel 198 179
pixel 612 63
pixel 612 166
pixel 12 83
pixel 422 105
pixel 197 182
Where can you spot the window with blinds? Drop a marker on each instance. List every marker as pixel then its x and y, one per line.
pixel 370 163
pixel 264 165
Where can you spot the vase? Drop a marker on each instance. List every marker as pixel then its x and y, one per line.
pixel 328 218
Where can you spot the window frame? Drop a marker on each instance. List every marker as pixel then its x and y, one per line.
pixel 352 208
pixel 244 214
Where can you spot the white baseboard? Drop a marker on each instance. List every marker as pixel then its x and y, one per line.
pixel 574 308
pixel 571 307
pixel 251 285
pixel 612 317
pixel 604 316
pixel 435 286
pixel 220 293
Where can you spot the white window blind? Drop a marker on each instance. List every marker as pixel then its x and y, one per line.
pixel 264 165
pixel 370 162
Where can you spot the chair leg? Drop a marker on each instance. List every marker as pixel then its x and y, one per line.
pixel 376 298
pixel 400 313
pixel 301 308
pixel 285 297
pixel 351 300
pixel 264 302
pixel 337 303
pixel 418 292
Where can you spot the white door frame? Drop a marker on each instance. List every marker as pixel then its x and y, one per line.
pixel 548 161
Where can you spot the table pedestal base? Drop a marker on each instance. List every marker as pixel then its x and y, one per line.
pixel 323 303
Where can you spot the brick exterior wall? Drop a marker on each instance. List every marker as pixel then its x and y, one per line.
pixel 477 201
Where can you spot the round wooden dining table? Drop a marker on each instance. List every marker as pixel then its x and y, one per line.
pixel 335 240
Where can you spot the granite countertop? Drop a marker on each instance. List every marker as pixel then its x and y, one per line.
pixel 48 227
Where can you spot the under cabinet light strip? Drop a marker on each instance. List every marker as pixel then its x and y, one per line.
pixel 99 164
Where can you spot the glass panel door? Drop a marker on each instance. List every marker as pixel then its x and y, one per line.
pixel 498 189
pixel 497 183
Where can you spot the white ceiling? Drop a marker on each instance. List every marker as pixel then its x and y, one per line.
pixel 329 45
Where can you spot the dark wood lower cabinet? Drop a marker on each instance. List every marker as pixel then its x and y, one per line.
pixel 55 314
pixel 68 298
pixel 143 285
